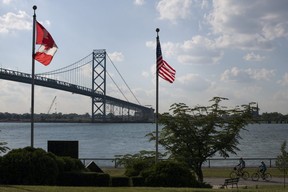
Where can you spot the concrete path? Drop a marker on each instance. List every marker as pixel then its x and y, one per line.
pixel 218 182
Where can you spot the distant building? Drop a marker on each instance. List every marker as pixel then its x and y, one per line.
pixel 255 111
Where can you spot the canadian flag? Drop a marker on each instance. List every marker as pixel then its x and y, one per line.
pixel 47 47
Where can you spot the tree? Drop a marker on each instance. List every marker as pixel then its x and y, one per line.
pixel 136 163
pixel 3 148
pixel 194 134
pixel 282 159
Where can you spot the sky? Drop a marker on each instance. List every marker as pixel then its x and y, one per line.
pixel 225 48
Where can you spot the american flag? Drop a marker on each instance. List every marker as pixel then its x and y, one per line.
pixel 165 71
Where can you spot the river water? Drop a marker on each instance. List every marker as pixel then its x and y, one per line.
pixel 108 140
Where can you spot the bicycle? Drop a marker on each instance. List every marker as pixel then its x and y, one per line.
pixel 239 173
pixel 258 174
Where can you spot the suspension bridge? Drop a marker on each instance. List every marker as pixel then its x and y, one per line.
pixel 88 77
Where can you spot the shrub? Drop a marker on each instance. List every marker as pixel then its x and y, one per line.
pixel 137 166
pixel 35 167
pixel 169 174
pixel 120 181
pixel 282 159
pixel 70 164
pixel 134 164
pixel 83 179
pixel 28 166
pixel 138 181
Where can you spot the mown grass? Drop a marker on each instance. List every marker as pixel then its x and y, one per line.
pixel 225 172
pixel 221 172
pixel 208 172
pixel 132 189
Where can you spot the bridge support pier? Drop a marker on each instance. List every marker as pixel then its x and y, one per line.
pixel 99 85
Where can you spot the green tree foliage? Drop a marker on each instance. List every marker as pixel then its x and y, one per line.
pixel 170 174
pixel 3 148
pixel 136 163
pixel 194 134
pixel 282 159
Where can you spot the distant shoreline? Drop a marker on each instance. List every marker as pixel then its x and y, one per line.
pixel 90 121
pixel 69 121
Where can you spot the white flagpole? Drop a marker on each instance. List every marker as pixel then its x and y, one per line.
pixel 33 74
pixel 157 100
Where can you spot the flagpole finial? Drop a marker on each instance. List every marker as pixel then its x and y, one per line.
pixel 157 30
pixel 34 8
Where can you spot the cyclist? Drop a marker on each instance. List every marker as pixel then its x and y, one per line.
pixel 262 168
pixel 241 165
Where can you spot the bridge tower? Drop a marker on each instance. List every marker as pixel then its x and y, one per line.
pixel 99 84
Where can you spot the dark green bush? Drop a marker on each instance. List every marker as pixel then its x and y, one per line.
pixel 138 181
pixel 134 164
pixel 28 166
pixel 120 181
pixel 83 179
pixel 35 167
pixel 137 166
pixel 71 164
pixel 169 174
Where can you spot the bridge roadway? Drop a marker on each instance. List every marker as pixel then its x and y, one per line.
pixel 64 86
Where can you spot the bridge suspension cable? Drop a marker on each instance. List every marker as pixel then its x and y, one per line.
pixel 123 81
pixel 75 73
pixel 70 78
pixel 72 74
pixel 71 66
pixel 117 86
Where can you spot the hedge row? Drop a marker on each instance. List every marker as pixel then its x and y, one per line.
pixel 98 180
pixel 29 166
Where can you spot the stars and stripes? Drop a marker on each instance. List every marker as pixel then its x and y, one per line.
pixel 165 71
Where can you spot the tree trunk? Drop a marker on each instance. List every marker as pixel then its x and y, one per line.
pixel 199 172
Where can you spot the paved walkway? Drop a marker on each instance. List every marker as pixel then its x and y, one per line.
pixel 218 182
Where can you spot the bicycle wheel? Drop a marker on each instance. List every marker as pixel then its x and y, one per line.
pixel 255 177
pixel 267 177
pixel 233 174
pixel 245 175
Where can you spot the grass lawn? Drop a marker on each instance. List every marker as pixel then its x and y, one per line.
pixel 208 172
pixel 221 172
pixel 21 188
pixel 225 172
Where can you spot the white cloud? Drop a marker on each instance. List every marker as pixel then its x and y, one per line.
pixel 249 24
pixel 151 44
pixel 199 50
pixel 284 80
pixel 6 2
pixel 204 4
pixel 116 56
pixel 246 75
pixel 12 21
pixel 169 49
pixel 10 100
pixel 145 74
pixel 193 82
pixel 281 96
pixel 174 9
pixel 139 2
pixel 253 57
pixel 201 58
